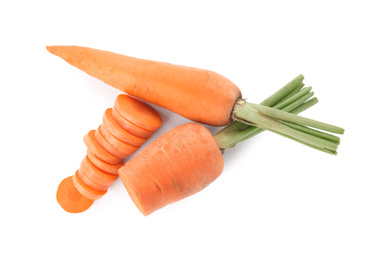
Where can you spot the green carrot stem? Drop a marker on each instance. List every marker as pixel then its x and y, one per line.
pixel 255 130
pixel 285 116
pixel 267 118
pixel 232 134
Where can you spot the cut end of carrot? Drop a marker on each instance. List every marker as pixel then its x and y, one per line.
pixel 70 199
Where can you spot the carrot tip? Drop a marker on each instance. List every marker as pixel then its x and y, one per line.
pixel 70 199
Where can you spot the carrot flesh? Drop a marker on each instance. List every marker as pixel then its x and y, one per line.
pixel 89 182
pixel 104 166
pixel 193 145
pixel 97 150
pixel 95 174
pixel 108 146
pixel 113 127
pixel 197 94
pixel 138 112
pixel 70 199
pixel 85 190
pixel 118 144
pixel 130 127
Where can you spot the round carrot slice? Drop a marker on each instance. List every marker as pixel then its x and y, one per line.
pixel 97 150
pixel 116 130
pixel 95 174
pixel 104 166
pixel 70 199
pixel 138 112
pixel 130 127
pixel 108 146
pixel 85 190
pixel 90 183
pixel 118 144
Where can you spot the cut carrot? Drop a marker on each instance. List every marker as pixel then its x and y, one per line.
pixel 90 183
pixel 85 190
pixel 118 144
pixel 113 127
pixel 70 199
pixel 97 150
pixel 130 127
pixel 191 144
pixel 108 146
pixel 104 166
pixel 95 174
pixel 138 112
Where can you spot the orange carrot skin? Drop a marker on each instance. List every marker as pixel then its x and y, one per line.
pixel 179 163
pixel 197 94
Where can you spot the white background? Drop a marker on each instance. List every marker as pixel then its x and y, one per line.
pixel 276 199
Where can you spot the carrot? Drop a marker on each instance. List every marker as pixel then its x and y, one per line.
pixel 94 147
pixel 137 112
pixel 115 142
pixel 104 166
pixel 86 190
pixel 186 159
pixel 154 179
pixel 107 146
pixel 197 94
pixel 200 95
pixel 116 130
pixel 105 154
pixel 70 199
pixel 90 182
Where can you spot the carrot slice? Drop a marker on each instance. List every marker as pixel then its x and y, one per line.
pixel 89 182
pixel 95 174
pixel 97 150
pixel 108 146
pixel 113 127
pixel 85 190
pixel 104 166
pixel 129 126
pixel 120 145
pixel 70 199
pixel 138 112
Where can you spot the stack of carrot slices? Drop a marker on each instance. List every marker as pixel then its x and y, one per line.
pixel 124 129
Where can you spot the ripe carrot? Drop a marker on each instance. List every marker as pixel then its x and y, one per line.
pixel 105 154
pixel 130 127
pixel 104 166
pixel 87 191
pixel 197 94
pixel 177 164
pixel 70 199
pixel 116 130
pixel 200 95
pixel 188 158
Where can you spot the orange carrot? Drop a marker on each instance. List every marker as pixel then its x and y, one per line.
pixel 105 154
pixel 197 94
pixel 85 189
pixel 107 146
pixel 115 142
pixel 176 165
pixel 200 95
pixel 94 147
pixel 104 166
pixel 70 199
pixel 116 130
pixel 130 127
pixel 90 182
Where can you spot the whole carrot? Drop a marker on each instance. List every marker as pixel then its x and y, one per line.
pixel 197 94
